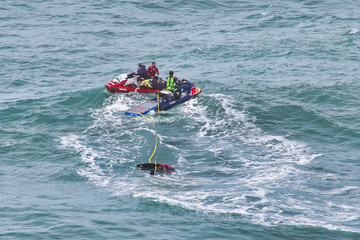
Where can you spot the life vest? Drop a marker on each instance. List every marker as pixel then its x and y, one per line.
pixel 146 83
pixel 170 84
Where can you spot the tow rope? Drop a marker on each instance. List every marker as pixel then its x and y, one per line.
pixel 154 167
pixel 151 118
pixel 156 135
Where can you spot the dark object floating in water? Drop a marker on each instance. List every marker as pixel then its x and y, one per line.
pixel 156 167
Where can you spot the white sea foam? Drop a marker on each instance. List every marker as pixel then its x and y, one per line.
pixel 275 169
pixel 250 186
pixel 92 171
pixel 353 31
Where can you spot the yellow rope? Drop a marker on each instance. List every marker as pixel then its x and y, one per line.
pixel 152 119
pixel 156 135
pixel 154 148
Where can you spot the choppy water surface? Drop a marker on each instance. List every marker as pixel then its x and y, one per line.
pixel 270 150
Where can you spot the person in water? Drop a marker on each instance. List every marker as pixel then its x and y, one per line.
pixel 153 70
pixel 142 71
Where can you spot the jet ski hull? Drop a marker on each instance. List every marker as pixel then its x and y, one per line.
pixel 164 104
pixel 119 87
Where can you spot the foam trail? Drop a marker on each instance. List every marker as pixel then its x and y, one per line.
pixel 246 181
pixel 92 171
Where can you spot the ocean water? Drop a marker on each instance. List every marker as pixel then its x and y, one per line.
pixel 270 149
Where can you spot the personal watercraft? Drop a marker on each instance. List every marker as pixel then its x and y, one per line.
pixel 125 83
pixel 166 99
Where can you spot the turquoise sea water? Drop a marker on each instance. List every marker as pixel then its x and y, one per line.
pixel 270 150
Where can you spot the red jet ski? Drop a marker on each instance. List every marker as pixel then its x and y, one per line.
pixel 127 83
